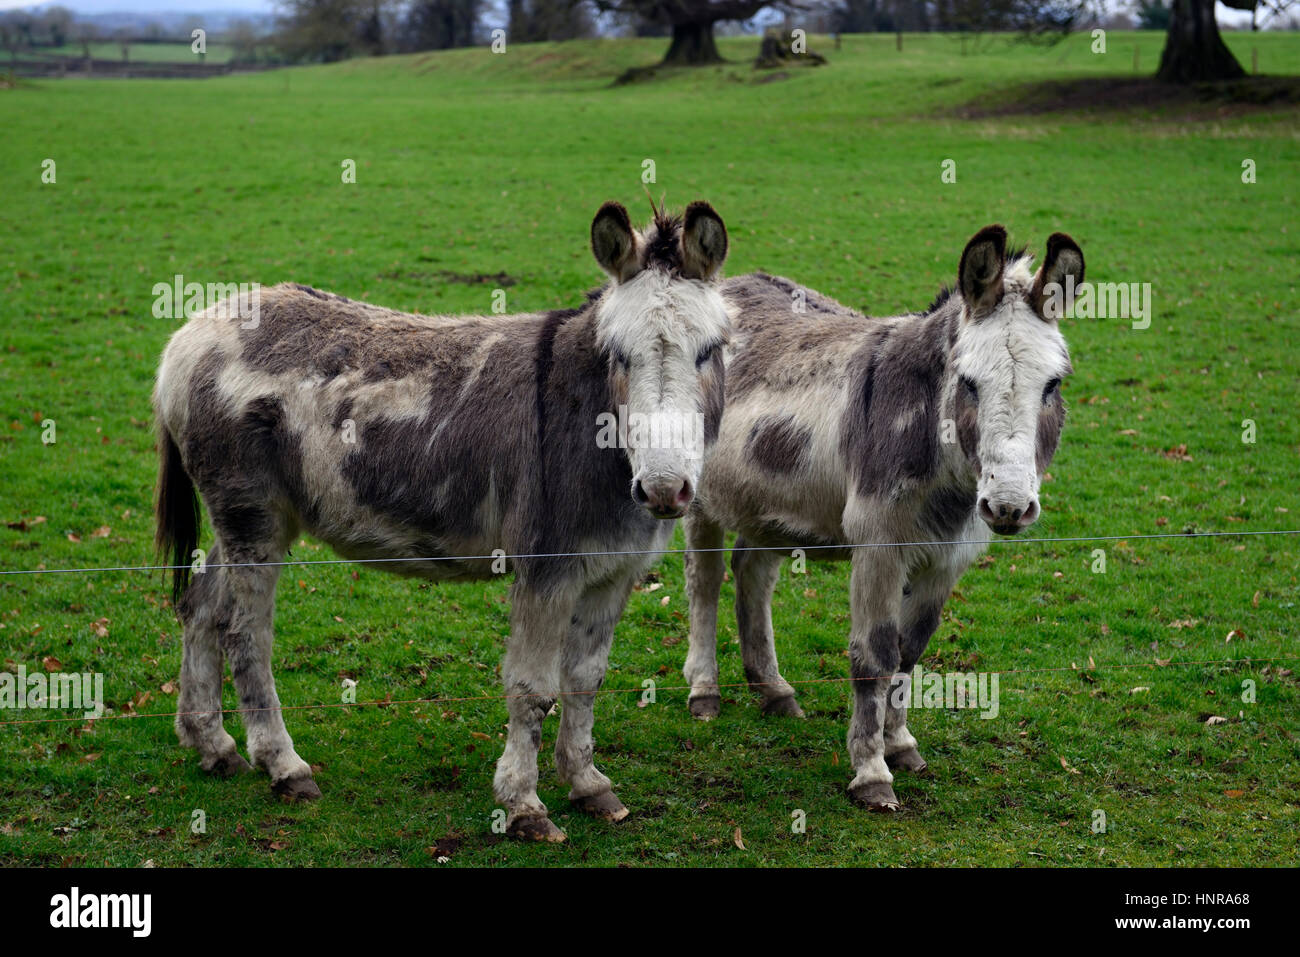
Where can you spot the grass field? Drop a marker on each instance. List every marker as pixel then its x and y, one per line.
pixel 470 163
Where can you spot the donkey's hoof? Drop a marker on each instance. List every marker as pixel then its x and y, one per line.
pixel 605 805
pixel 296 790
pixel 909 760
pixel 226 765
pixel 534 828
pixel 785 707
pixel 877 796
pixel 706 707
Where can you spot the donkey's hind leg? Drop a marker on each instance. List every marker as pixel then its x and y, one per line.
pixel 249 586
pixel 199 721
pixel 705 566
pixel 582 671
pixel 756 574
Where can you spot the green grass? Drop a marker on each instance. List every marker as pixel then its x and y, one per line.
pixel 472 163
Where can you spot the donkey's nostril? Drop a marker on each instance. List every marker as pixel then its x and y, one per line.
pixel 985 512
pixel 638 493
pixel 685 494
pixel 1029 515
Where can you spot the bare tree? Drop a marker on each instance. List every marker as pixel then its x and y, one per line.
pixel 242 37
pixel 1194 50
pixel 57 22
pixel 692 22
pixel 331 30
pixel 87 33
pixel 440 24
pixel 532 20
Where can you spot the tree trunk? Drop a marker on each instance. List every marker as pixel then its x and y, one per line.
pixel 692 45
pixel 1194 51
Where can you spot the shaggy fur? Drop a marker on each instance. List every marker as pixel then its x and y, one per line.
pixel 441 439
pixel 839 429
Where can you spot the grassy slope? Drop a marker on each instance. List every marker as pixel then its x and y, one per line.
pixel 471 163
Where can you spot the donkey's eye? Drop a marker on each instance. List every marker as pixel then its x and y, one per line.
pixel 1050 389
pixel 705 355
pixel 972 390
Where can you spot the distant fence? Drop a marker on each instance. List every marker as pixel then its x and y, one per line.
pixel 58 66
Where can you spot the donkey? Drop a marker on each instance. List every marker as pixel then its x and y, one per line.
pixel 841 429
pixel 431 443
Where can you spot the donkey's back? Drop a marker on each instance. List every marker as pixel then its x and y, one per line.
pixel 387 434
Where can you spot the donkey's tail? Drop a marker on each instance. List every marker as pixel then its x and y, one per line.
pixel 176 512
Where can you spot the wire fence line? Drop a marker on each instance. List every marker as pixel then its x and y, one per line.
pixel 653 551
pixel 559 695
pixel 591 554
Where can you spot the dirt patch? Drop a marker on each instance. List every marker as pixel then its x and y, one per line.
pixel 1118 94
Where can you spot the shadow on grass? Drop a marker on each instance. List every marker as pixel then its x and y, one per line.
pixel 1122 94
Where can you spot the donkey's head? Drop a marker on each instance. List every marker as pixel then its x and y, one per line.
pixel 662 324
pixel 1008 362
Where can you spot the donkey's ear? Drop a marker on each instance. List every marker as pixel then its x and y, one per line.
pixel 704 241
pixel 614 243
pixel 980 272
pixel 1062 269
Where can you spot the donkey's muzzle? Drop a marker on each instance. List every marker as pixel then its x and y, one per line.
pixel 1008 518
pixel 664 497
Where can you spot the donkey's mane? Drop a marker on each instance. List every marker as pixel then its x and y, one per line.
pixel 663 245
pixel 1012 258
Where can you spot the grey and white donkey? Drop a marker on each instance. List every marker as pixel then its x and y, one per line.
pixel 842 429
pixel 397 436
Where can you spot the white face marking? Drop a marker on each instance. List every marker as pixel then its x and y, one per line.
pixel 1011 357
pixel 658 327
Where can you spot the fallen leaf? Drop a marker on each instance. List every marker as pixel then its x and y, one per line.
pixel 1233 793
pixel 51 663
pixel 102 532
pixel 1216 719
pixel 735 839
pixel 100 627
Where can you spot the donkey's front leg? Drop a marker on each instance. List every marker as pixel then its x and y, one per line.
pixel 582 671
pixel 922 605
pixel 539 626
pixel 705 567
pixel 877 585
